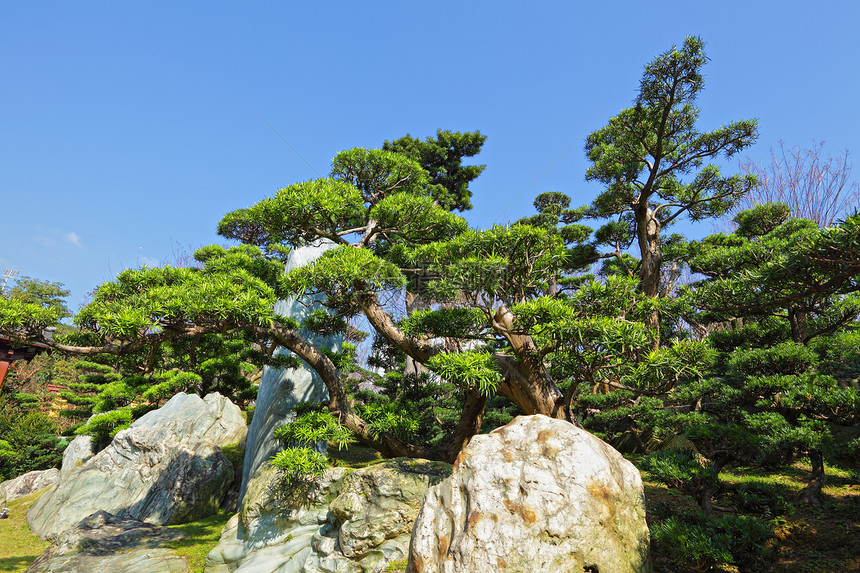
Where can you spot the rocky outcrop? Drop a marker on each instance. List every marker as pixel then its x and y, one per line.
pixel 537 494
pixel 346 522
pixel 187 419
pixel 28 483
pixel 77 453
pixel 167 467
pixel 281 389
pixel 104 542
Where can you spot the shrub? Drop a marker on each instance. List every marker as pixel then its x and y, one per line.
pixel 704 543
pixel 103 427
pixel 29 441
pixel 766 332
pixel 839 354
pixel 785 358
pixel 690 544
pixel 313 425
pixel 300 462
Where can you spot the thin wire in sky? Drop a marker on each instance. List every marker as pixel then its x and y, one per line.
pixel 547 168
pixel 288 143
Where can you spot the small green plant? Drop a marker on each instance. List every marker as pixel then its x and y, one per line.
pixel 387 417
pixel 312 426
pixel 300 461
pixel 702 543
pixel 397 566
pixel 686 472
pixel 315 426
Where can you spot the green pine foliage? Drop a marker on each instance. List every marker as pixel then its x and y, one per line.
pixel 104 426
pixel 28 440
pixel 702 544
pixel 474 369
pixel 300 463
pixel 312 426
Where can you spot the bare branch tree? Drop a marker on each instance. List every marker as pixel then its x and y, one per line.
pixel 814 186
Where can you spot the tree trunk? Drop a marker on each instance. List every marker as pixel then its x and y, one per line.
pixel 651 258
pixel 525 381
pixel 341 406
pixel 469 425
pixel 811 494
pixel 420 350
pixel 650 252
pixel 414 302
pixel 797 320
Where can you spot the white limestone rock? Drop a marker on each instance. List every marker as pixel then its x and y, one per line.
pixel 77 453
pixel 537 494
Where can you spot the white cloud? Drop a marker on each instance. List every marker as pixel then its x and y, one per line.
pixel 73 238
pixel 148 262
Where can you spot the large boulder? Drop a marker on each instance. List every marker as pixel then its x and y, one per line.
pixel 105 542
pixel 167 467
pixel 281 389
pixel 28 483
pixel 537 494
pixel 354 522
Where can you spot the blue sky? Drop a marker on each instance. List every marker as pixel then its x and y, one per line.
pixel 127 130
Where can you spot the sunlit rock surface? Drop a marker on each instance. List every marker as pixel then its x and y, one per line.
pixel 27 483
pixel 281 389
pixel 77 453
pixel 167 467
pixel 537 494
pixel 354 522
pixel 104 542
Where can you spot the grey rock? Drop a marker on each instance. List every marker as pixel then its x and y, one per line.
pixel 188 419
pixel 166 468
pixel 281 389
pixel 344 522
pixel 77 453
pixel 105 542
pixel 537 494
pixel 28 483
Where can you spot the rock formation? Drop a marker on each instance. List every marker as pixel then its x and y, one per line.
pixel 77 453
pixel 27 484
pixel 346 522
pixel 104 542
pixel 537 494
pixel 281 389
pixel 167 467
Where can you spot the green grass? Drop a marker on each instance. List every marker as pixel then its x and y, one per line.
pixel 398 566
pixel 18 545
pixel 354 456
pixel 236 454
pixel 203 535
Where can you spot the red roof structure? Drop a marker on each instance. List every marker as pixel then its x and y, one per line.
pixel 11 350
